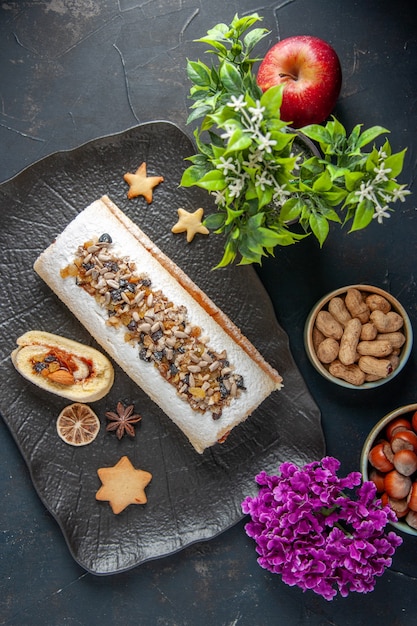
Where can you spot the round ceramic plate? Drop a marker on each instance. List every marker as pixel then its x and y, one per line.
pixel 191 497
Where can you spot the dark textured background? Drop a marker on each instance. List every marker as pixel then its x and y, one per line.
pixel 74 71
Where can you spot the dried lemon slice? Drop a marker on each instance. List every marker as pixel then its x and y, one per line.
pixel 77 424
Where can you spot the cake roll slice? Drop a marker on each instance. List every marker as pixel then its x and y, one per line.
pixel 157 324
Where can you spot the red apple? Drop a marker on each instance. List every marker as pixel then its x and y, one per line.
pixel 310 71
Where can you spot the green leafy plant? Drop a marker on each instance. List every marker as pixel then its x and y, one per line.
pixel 262 181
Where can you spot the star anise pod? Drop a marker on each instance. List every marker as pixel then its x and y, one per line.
pixel 123 420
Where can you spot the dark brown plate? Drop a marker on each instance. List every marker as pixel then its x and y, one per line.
pixel 191 497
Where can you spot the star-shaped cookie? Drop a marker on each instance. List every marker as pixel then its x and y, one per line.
pixel 190 223
pixel 140 184
pixel 122 485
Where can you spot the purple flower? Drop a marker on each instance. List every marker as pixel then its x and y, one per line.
pixel 310 532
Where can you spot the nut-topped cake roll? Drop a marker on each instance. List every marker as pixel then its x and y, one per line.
pixel 157 324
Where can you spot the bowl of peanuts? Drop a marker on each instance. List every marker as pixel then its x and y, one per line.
pixel 359 337
pixel 389 459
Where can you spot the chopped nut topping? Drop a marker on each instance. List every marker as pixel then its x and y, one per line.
pixel 160 329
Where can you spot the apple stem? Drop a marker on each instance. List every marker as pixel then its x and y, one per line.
pixel 292 76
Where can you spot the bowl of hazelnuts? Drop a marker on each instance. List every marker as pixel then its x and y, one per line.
pixel 389 459
pixel 358 337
